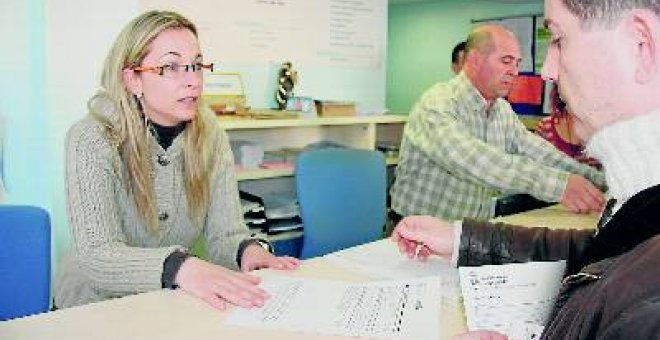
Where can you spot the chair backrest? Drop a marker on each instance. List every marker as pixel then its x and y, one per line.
pixel 24 261
pixel 341 193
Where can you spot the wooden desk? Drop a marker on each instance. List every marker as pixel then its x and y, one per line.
pixel 173 315
pixel 168 314
pixel 556 217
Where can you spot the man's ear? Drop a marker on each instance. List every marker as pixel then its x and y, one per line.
pixel 644 29
pixel 472 59
pixel 132 81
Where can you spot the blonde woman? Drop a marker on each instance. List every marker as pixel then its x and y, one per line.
pixel 148 173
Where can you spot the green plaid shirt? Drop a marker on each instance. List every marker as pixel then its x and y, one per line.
pixel 457 156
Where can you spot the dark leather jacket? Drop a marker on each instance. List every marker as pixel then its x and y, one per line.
pixel 611 288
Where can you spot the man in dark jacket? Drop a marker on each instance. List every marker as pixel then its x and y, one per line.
pixel 605 56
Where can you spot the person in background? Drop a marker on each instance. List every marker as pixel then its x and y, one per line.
pixel 463 145
pixel 605 57
pixel 458 57
pixel 149 172
pixel 557 129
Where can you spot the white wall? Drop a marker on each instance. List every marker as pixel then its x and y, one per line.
pixel 21 103
pixel 253 38
pixel 52 66
pixel 77 38
pixel 49 70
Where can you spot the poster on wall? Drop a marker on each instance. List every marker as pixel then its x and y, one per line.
pixel 321 32
pixel 542 42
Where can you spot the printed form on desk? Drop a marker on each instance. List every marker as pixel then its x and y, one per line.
pixel 402 309
pixel 515 299
pixel 382 260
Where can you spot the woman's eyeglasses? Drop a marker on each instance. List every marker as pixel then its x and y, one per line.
pixel 174 70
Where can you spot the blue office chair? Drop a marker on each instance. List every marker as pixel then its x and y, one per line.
pixel 24 261
pixel 341 193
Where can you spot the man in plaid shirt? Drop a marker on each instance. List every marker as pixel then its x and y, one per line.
pixel 463 145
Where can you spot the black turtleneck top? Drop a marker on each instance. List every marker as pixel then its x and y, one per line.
pixel 165 134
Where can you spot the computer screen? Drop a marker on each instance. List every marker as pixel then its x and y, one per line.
pixel 526 96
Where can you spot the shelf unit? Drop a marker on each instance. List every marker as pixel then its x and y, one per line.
pixel 274 134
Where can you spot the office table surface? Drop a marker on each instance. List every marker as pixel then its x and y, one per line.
pixel 168 314
pixel 556 216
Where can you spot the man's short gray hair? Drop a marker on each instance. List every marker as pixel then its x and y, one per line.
pixel 607 12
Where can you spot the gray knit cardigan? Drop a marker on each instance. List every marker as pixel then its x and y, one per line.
pixel 112 252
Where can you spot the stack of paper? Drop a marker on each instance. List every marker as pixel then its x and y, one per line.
pixel 405 309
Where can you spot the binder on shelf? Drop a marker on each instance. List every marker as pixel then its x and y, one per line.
pixel 253 201
pixel 272 213
pixel 284 225
pixel 254 213
pixel 280 206
pixel 250 207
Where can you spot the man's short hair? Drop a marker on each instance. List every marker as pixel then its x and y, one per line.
pixel 607 12
pixel 456 51
pixel 480 39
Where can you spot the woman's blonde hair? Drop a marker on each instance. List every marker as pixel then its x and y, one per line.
pixel 119 112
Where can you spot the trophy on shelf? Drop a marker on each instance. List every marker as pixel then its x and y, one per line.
pixel 286 80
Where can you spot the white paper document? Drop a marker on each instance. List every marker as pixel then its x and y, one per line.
pixel 506 297
pixel 405 309
pixel 382 260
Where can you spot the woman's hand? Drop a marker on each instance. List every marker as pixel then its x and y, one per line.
pixel 256 257
pixel 219 286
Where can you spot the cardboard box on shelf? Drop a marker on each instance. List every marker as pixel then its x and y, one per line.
pixel 331 108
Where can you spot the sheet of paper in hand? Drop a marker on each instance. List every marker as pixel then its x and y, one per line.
pixel 497 296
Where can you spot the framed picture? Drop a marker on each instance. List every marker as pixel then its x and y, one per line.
pixel 224 93
pixel 223 84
